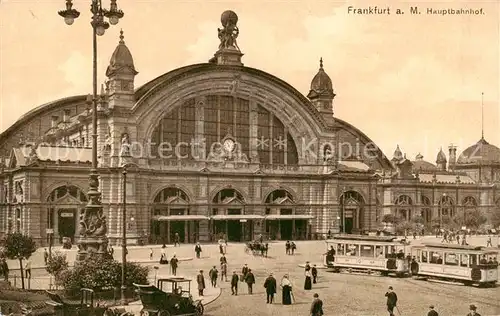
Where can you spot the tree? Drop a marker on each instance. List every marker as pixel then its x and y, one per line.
pixel 56 264
pixel 19 246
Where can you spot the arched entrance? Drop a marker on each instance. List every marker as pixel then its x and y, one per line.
pixel 404 207
pixel 229 218
pixel 65 204
pixel 351 212
pixel 171 217
pixel 446 207
pixel 425 211
pixel 279 209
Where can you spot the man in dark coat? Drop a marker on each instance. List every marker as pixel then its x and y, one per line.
pixel 307 267
pixel 173 264
pixel 200 279
pixel 392 300
pixel 314 272
pixel 473 311
pixel 270 285
pixel 177 240
pixel 197 250
pixel 234 283
pixel 250 280
pixel 287 247
pixel 213 274
pixel 432 312
pixel 316 306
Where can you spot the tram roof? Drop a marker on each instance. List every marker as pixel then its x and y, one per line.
pixel 451 246
pixel 363 238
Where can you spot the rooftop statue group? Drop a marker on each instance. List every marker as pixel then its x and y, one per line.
pixel 229 32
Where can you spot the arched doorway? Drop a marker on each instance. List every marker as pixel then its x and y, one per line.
pixel 425 211
pixel 351 212
pixel 469 205
pixel 229 218
pixel 281 220
pixel 65 204
pixel 403 207
pixel 171 217
pixel 446 207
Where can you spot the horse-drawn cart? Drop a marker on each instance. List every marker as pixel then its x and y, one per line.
pixel 173 301
pixel 257 248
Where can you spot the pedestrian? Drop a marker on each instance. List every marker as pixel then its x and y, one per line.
pixel 307 282
pixel 27 268
pixel 213 274
pixel 286 290
pixel 307 267
pixel 287 247
pixel 432 312
pixel 223 260
pixel 151 254
pixel 250 280
pixel 223 272
pixel 293 247
pixel 5 269
pixel 45 256
pixel 488 242
pixel 473 311
pixel 177 240
pixel 392 300
pixel 174 262
pixel 221 247
pixel 314 272
pixel 244 272
pixel 316 306
pixel 270 286
pixel 200 279
pixel 234 283
pixel 197 250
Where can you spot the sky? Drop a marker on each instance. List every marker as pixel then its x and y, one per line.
pixel 412 80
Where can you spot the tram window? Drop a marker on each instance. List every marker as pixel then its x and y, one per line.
pixel 464 260
pixel 419 253
pixel 436 257
pixel 424 256
pixel 472 260
pixel 367 251
pixel 340 249
pixel 379 251
pixel 353 250
pixel 450 259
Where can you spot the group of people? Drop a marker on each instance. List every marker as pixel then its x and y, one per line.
pixel 290 247
pixel 449 236
pixel 392 301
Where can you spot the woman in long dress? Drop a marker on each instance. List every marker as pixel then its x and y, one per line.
pixel 286 290
pixel 308 283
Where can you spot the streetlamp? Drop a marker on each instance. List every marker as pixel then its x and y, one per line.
pixel 124 235
pixel 93 241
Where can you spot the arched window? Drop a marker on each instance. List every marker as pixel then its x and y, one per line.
pixel 425 211
pixel 65 204
pixel 222 117
pixel 404 207
pixel 469 203
pixel 351 212
pixel 228 202
pixel 446 206
pixel 230 221
pixel 169 207
pixel 279 202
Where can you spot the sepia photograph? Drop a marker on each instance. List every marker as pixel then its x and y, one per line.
pixel 264 157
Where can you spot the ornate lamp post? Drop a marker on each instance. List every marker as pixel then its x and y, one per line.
pixel 93 227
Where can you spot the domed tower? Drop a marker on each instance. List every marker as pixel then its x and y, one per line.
pixel 121 73
pixel 441 160
pixel 321 93
pixel 397 156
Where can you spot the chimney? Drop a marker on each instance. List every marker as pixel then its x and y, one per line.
pixel 54 121
pixel 66 115
pixel 452 157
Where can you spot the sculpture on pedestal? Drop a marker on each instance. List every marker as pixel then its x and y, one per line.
pixel 229 32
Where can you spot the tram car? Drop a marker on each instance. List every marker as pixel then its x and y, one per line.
pixel 384 254
pixel 470 265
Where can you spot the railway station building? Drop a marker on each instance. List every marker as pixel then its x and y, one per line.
pixel 219 147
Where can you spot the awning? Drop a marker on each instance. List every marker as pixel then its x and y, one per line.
pixel 178 218
pixel 296 216
pixel 236 217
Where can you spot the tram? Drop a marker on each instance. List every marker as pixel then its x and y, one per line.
pixel 471 265
pixel 384 254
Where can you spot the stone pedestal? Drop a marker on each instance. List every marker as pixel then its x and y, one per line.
pixel 228 56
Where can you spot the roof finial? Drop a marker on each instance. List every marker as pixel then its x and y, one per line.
pixel 121 37
pixel 482 115
pixel 321 63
